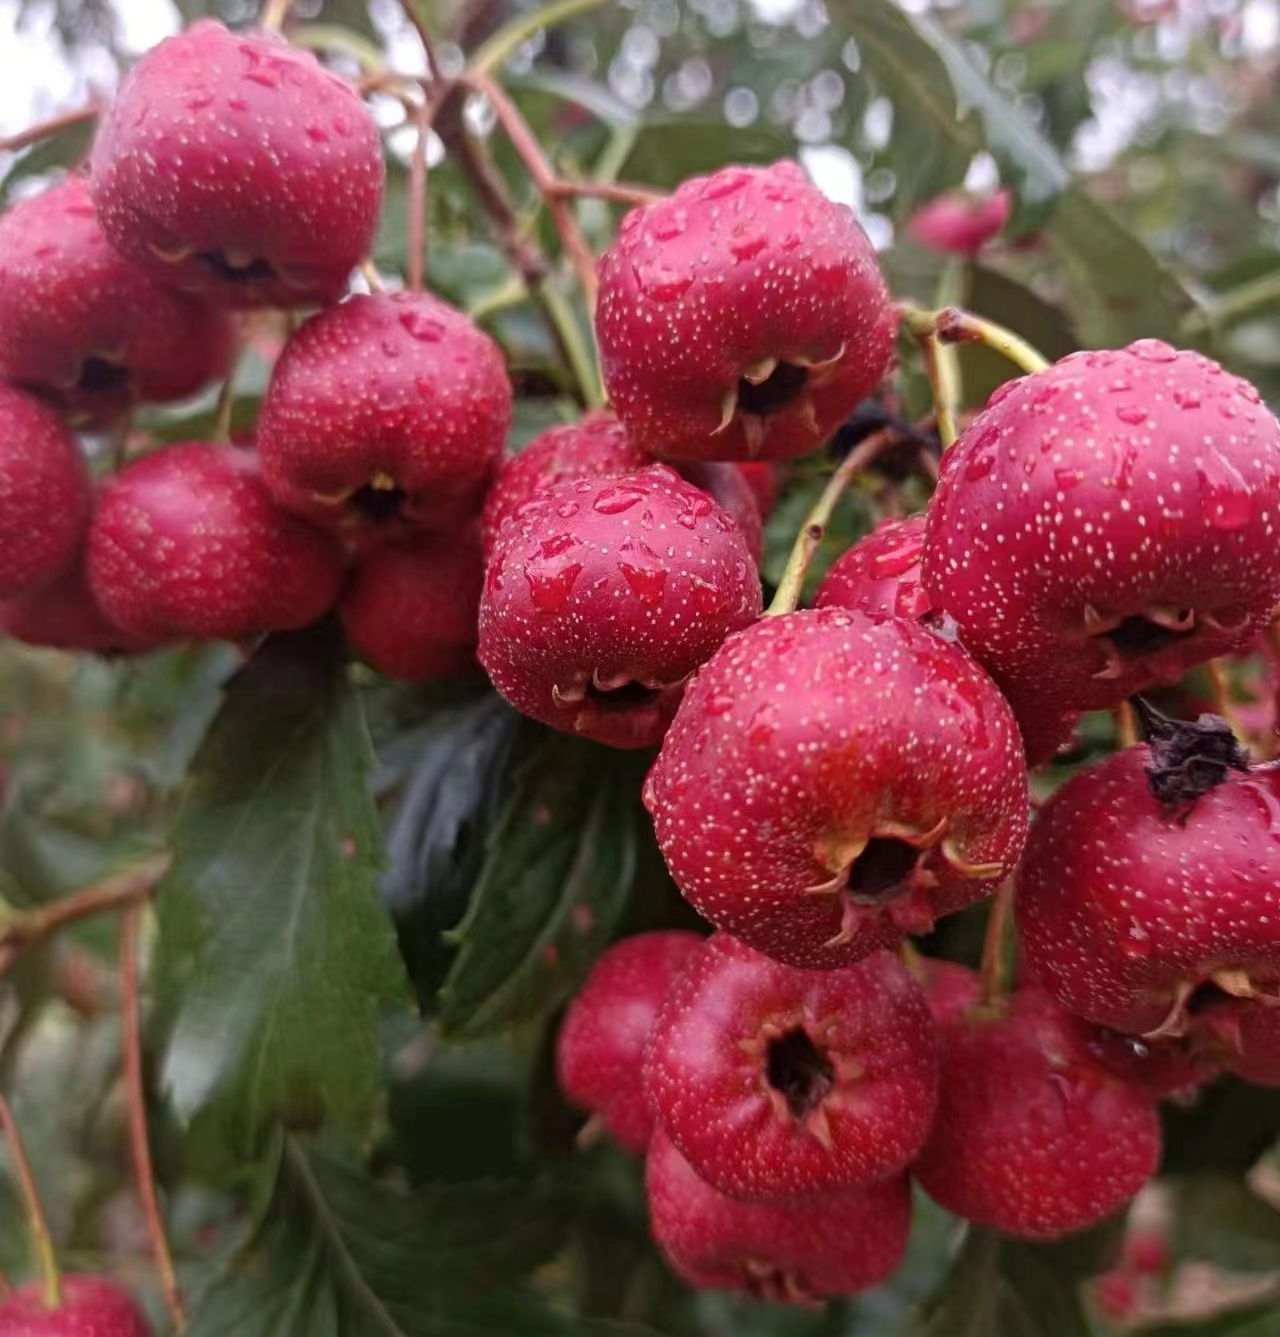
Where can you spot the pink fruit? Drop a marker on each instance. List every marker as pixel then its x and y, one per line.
pixel 1108 523
pixel 236 166
pixel 762 479
pixel 960 224
pixel 44 493
pixel 1132 912
pixel 86 328
pixel 411 606
pixel 880 574
pixel 777 1083
pixel 91 1307
pixel 386 411
pixel 833 782
pixel 603 596
pixel 743 317
pixel 836 1244
pixel 600 1052
pixel 188 543
pixel 598 447
pixel 1031 1138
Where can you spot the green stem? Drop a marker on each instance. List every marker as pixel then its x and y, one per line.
pixel 1239 304
pixel 942 366
pixel 995 958
pixel 952 325
pixel 35 1209
pixel 581 362
pixel 499 49
pixel 814 529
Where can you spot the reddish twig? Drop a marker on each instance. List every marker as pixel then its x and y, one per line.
pixel 33 134
pixel 615 192
pixel 139 1145
pixel 417 205
pixel 35 1208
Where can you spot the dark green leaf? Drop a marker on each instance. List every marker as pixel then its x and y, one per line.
pixel 555 881
pixel 338 1255
pixel 1219 1220
pixel 1252 1321
pixel 275 955
pixel 63 150
pixel 666 151
pixel 1228 1128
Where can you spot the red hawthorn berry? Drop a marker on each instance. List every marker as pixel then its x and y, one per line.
pixel 44 493
pixel 598 447
pixel 1243 1036
pixel 187 542
pixel 958 223
pixel 742 318
pixel 762 479
pixel 1031 1138
pixel 411 604
pixel 833 782
pixel 388 410
pixel 1108 523
pixel 602 597
pixel 90 1305
pixel 237 166
pixel 777 1083
pixel 600 1051
pixel 950 989
pixel 786 1253
pixel 1135 913
pixel 88 329
pixel 880 574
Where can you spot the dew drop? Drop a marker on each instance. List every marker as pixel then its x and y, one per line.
pixel 745 244
pixel 646 583
pixel 979 466
pixel 1154 350
pixel 1185 397
pixel 1132 414
pixel 663 281
pixel 616 500
pixel 426 329
pixel 720 704
pixel 551 583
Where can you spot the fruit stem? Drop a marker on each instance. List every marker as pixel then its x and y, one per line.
pixel 499 49
pixel 995 963
pixel 615 192
pixel 417 198
pixel 226 405
pixel 23 929
pixel 274 13
pixel 953 325
pixel 943 369
pixel 371 276
pixel 35 1208
pixel 548 185
pixel 131 1007
pixel 33 134
pixel 812 532
pixel 579 356
pixel 1126 723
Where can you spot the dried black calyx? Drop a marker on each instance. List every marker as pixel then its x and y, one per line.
pixel 800 1071
pixel 1188 758
pixel 878 873
pixel 782 387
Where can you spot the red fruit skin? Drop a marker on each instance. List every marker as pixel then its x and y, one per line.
pixel 600 1050
pixel 949 988
pixel 762 479
pixel 91 1307
pixel 187 542
pixel 598 447
pixel 602 597
pixel 44 493
pixel 1122 901
pixel 734 269
pixel 712 1062
pixel 810 735
pixel 65 616
pixel 411 605
pixel 240 147
pixel 68 299
pixel 390 391
pixel 1030 1137
pixel 960 224
pixel 1128 483
pixel 1244 1036
pixel 880 574
pixel 837 1244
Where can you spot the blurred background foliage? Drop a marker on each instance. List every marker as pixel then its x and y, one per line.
pixel 444 1194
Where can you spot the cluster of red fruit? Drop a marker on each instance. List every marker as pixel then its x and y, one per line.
pixel 830 780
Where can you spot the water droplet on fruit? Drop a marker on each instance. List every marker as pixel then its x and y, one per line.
pixel 1186 398
pixel 200 102
pixel 669 225
pixel 318 133
pixel 1228 499
pixel 663 281
pixel 1126 463
pixel 551 583
pixel 1136 944
pixel 979 466
pixel 1132 414
pixel 266 78
pixel 1154 350
pixel 745 244
pixel 426 329
pixel 706 597
pixel 646 583
pixel 567 510
pixel 1067 478
pixel 720 704
pixel 724 183
pixel 615 500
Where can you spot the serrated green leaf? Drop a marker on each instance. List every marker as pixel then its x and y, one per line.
pixel 1218 1220
pixel 556 878
pixel 275 955
pixel 339 1255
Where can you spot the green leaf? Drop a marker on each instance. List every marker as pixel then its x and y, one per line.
pixel 62 150
pixel 339 1255
pixel 275 956
pixel 1253 1321
pixel 665 151
pixel 1218 1220
pixel 1002 1288
pixel 559 868
pixel 1228 1128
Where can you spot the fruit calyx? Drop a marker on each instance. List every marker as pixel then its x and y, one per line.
pixel 799 1070
pixel 1189 758
pixel 768 387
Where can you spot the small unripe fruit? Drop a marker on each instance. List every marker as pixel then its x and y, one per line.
pixel 777 1083
pixel 44 493
pixel 742 318
pixel 600 1051
pixel 411 605
pixel 387 412
pixel 960 224
pixel 604 595
pixel 188 543
pixel 786 1253
pixel 85 327
pixel 91 1307
pixel 237 166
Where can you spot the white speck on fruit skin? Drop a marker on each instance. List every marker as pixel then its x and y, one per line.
pixel 1055 500
pixel 804 736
